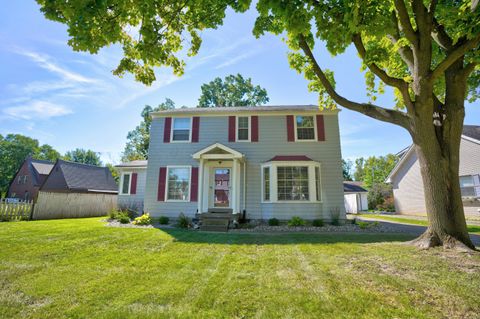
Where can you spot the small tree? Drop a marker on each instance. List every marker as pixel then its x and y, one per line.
pixel 80 155
pixel 347 170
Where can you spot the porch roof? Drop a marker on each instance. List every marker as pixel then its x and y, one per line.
pixel 218 151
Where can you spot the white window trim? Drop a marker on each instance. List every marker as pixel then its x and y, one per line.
pixel 129 183
pixel 189 184
pixel 237 127
pixel 312 188
pixel 314 128
pixel 263 183
pixel 189 133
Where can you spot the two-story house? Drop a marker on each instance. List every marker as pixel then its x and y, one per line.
pixel 257 162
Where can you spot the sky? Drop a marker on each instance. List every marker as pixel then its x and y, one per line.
pixel 72 100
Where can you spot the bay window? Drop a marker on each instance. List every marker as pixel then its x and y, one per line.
pixel 292 183
pixel 178 183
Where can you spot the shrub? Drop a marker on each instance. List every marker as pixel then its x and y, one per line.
pixel 296 221
pixel 363 225
pixel 123 219
pixel 273 222
pixel 113 214
pixel 131 213
pixel 317 223
pixel 335 216
pixel 183 221
pixel 163 220
pixel 145 219
pixel 378 194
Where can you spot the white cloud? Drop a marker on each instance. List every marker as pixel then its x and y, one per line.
pixel 237 59
pixel 36 110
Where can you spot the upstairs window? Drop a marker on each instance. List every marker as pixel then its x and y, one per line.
pixel 243 128
pixel 305 128
pixel 126 184
pixel 181 129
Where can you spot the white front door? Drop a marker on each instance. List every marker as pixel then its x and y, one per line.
pixel 221 187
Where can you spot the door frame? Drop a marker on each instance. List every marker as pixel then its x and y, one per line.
pixel 213 185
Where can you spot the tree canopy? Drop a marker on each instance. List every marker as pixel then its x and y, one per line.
pixel 80 155
pixel 347 170
pixel 234 90
pixel 374 170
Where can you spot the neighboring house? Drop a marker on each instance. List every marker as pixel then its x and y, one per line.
pixel 131 192
pixel 254 162
pixel 29 178
pixel 355 197
pixel 76 190
pixel 408 185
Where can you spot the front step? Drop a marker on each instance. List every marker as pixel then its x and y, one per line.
pixel 215 221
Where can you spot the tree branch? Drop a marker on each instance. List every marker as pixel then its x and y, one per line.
pixel 374 111
pixel 440 35
pixel 456 53
pixel 405 24
pixel 400 84
pixel 405 51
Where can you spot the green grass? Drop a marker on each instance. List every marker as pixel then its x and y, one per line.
pixel 473 229
pixel 82 269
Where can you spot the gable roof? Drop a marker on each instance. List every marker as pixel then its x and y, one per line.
pixel 39 170
pixel 77 177
pixel 243 109
pixel 470 133
pixel 353 187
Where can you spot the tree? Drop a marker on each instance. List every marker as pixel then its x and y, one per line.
pixel 233 91
pixel 14 149
pixel 347 168
pixel 427 51
pixel 375 170
pixel 80 155
pixel 359 174
pixel 114 172
pixel 138 140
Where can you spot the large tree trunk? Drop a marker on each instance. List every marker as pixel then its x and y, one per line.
pixel 437 150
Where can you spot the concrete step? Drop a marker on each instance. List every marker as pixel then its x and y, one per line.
pixel 219 210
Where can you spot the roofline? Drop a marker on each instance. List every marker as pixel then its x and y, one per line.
pixel 471 139
pixel 131 166
pixel 222 111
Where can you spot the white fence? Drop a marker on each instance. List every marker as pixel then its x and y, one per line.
pixel 14 209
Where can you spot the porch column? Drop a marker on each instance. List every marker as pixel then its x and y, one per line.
pixel 200 187
pixel 236 186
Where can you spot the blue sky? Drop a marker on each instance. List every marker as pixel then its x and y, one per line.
pixel 71 99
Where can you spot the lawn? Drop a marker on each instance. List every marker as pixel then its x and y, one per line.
pixel 473 229
pixel 82 269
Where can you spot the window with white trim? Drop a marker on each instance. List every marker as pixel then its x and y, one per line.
pixel 317 184
pixel 305 128
pixel 292 183
pixel 243 128
pixel 467 186
pixel 126 181
pixel 181 129
pixel 178 183
pixel 266 183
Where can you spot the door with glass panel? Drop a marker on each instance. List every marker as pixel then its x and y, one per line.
pixel 221 187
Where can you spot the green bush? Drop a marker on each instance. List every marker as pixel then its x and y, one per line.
pixel 113 214
pixel 363 225
pixel 317 223
pixel 335 216
pixel 163 220
pixel 145 219
pixel 273 222
pixel 183 221
pixel 296 221
pixel 123 219
pixel 131 213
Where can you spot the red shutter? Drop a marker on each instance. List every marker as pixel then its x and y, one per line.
pixel 320 128
pixel 195 129
pixel 133 186
pixel 162 179
pixel 290 128
pixel 254 122
pixel 231 128
pixel 166 130
pixel 194 185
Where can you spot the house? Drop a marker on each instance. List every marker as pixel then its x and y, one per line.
pixel 408 185
pixel 252 162
pixel 28 179
pixel 76 190
pixel 131 191
pixel 355 197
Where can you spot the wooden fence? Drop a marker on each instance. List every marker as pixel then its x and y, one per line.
pixel 15 210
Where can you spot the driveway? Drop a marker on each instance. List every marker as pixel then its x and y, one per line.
pixel 411 229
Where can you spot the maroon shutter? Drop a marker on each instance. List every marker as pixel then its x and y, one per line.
pixel 133 186
pixel 231 128
pixel 166 130
pixel 162 178
pixel 290 129
pixel 320 128
pixel 254 122
pixel 195 129
pixel 194 185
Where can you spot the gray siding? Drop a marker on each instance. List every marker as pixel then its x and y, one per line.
pixel 133 201
pixel 408 185
pixel 272 141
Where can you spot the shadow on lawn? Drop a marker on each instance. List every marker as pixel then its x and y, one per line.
pixel 191 236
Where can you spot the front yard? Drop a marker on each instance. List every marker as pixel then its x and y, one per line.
pixel 79 268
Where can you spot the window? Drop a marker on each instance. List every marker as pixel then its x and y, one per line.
pixel 266 184
pixel 181 129
pixel 317 183
pixel 25 179
pixel 19 180
pixel 467 186
pixel 126 184
pixel 305 128
pixel 292 183
pixel 243 130
pixel 178 183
